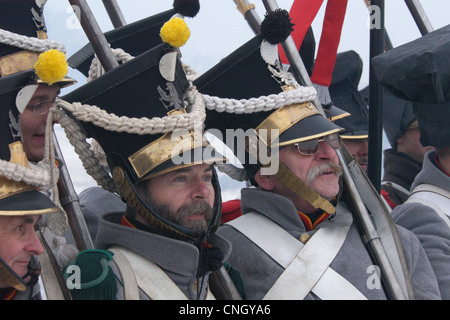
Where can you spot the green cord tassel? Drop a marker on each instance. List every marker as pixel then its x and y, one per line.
pixel 236 278
pixel 97 279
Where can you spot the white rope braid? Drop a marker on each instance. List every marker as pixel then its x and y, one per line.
pixel 140 126
pixel 261 104
pixel 96 69
pixel 236 173
pixel 49 155
pixel 191 74
pixel 54 225
pixel 78 139
pixel 37 175
pixel 29 43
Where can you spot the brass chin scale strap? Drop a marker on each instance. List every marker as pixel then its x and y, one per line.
pixel 290 180
pixel 129 196
pixel 10 277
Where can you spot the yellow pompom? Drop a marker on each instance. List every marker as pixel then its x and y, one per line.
pixel 51 66
pixel 175 32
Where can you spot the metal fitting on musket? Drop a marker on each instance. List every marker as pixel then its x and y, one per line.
pixel 244 7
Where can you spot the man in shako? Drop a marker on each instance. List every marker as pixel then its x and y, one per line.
pixel 296 238
pixel 39 67
pixel 21 208
pixel 148 120
pixel 418 72
pixel 232 209
pixel 403 160
pixel 345 94
pixel 126 42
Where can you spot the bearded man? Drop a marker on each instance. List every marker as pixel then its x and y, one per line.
pixel 164 245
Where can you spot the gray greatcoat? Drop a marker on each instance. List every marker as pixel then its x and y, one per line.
pixel 400 169
pixel 33 292
pixel 428 226
pixel 178 259
pixel 259 271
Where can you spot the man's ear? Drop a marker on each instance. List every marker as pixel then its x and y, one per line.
pixel 400 141
pixel 264 181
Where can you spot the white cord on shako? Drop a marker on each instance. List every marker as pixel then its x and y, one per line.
pixel 29 43
pixel 254 105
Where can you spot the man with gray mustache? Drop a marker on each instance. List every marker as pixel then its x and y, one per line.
pixel 323 168
pixel 295 239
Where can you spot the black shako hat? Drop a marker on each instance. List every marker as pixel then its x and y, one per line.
pixel 23 17
pixel 307 50
pixel 245 75
pixel 152 91
pixel 16 197
pixel 137 90
pixel 137 37
pixel 345 95
pixel 419 72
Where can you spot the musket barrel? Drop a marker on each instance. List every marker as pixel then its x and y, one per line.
pixel 421 19
pixel 371 235
pixel 247 11
pixel 114 12
pixel 75 217
pixel 95 35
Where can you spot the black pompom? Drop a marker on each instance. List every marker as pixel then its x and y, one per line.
pixel 187 8
pixel 276 26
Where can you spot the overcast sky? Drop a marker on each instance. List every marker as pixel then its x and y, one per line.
pixel 216 31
